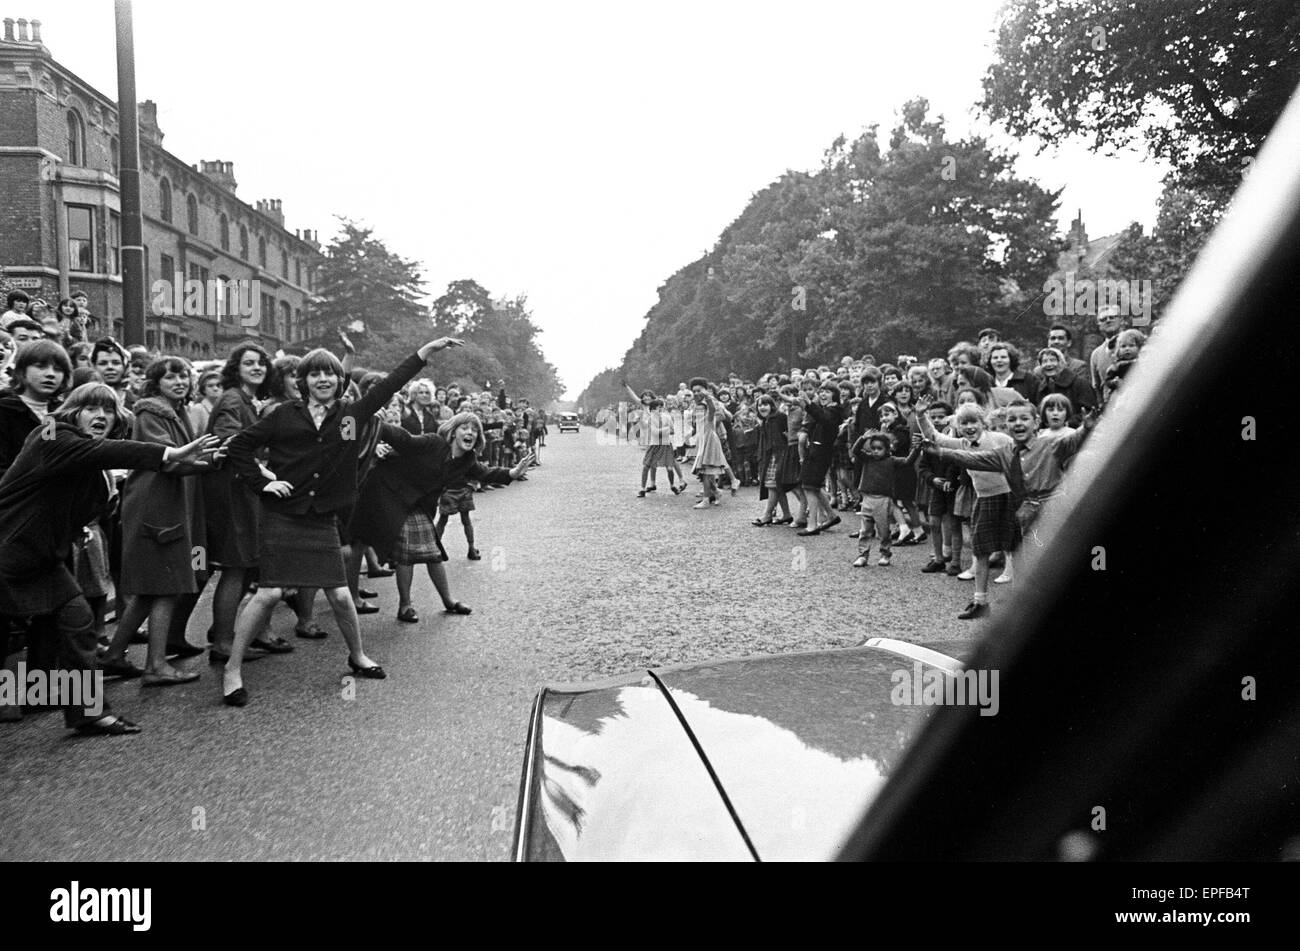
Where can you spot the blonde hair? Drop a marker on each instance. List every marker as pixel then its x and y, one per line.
pixel 448 429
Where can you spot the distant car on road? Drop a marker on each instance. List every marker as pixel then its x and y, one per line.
pixel 568 421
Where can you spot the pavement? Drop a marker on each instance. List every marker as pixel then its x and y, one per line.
pixel 579 580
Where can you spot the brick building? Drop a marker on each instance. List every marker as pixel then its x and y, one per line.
pixel 60 227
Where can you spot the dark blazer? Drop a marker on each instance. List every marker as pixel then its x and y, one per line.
pixel 867 417
pixel 16 422
pixel 415 477
pixel 232 511
pixel 52 491
pixel 1026 384
pixel 320 465
pixel 1080 392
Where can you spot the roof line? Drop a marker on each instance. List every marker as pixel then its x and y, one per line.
pixel 699 750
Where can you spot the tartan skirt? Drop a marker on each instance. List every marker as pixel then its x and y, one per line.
pixel 418 543
pixel 658 457
pixel 994 527
pixel 300 551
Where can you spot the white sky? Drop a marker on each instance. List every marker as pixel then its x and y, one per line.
pixel 576 152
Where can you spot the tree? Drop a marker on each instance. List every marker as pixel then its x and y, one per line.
pixel 374 293
pixel 1198 84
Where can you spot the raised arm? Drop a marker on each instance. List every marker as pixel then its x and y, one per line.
pixel 379 395
pixel 982 460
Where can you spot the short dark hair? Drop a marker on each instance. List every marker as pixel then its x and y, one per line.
pixel 870 373
pixel 940 404
pixel 320 360
pixel 15 297
pixel 699 381
pixel 24 323
pixel 1069 335
pixel 881 439
pixel 988 332
pixel 230 372
pixel 1012 353
pixel 159 368
pixel 281 368
pixel 39 353
pixel 108 345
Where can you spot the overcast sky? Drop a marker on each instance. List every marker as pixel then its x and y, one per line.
pixel 576 152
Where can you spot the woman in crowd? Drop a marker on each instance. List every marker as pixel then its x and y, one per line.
pixel 207 390
pixel 1003 363
pixel 313 451
pixel 772 446
pixel 233 512
pixel 55 487
pixel 396 507
pixel 710 459
pixel 163 528
pixel 423 413
pixel 823 419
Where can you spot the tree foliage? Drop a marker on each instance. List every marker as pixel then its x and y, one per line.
pixel 882 250
pixel 1198 84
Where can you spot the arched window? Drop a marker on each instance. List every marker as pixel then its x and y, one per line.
pixel 192 214
pixel 76 139
pixel 114 156
pixel 243 242
pixel 165 200
pixel 261 252
pixel 284 263
pixel 225 233
pixel 286 320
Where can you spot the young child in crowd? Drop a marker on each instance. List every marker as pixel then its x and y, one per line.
pixel 880 470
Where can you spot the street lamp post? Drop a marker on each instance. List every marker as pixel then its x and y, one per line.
pixel 132 251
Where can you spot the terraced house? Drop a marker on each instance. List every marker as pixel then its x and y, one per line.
pixel 60 225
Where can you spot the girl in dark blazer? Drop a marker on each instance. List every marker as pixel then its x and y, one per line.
pixel 54 488
pixel 310 477
pixel 398 504
pixel 232 510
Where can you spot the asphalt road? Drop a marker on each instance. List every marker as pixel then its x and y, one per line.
pixel 579 579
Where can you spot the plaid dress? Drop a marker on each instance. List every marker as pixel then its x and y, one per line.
pixel 418 544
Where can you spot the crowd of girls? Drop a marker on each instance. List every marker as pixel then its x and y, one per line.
pixel 961 452
pixel 277 476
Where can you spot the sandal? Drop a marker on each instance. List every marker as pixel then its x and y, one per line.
pixel 456 608
pixel 408 615
pixel 108 726
pixel 760 522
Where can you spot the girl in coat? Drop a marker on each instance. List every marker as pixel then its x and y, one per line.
pixel 54 488
pixel 771 449
pixel 233 512
pixel 399 501
pixel 163 530
pixel 309 479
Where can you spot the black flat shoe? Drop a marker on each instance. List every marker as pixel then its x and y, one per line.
pixel 364 608
pixel 809 531
pixel 832 523
pixel 788 520
pixel 367 594
pixel 183 651
pixel 457 608
pixel 272 645
pixel 379 573
pixel 408 615
pixel 370 673
pixel 312 633
pixel 474 555
pixel 760 522
pixel 236 698
pixel 115 726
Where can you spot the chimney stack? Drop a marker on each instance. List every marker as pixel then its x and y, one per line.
pixel 220 173
pixel 148 117
pixel 22 30
pixel 36 31
pixel 9 29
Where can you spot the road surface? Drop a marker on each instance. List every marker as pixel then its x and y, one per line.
pixel 579 579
